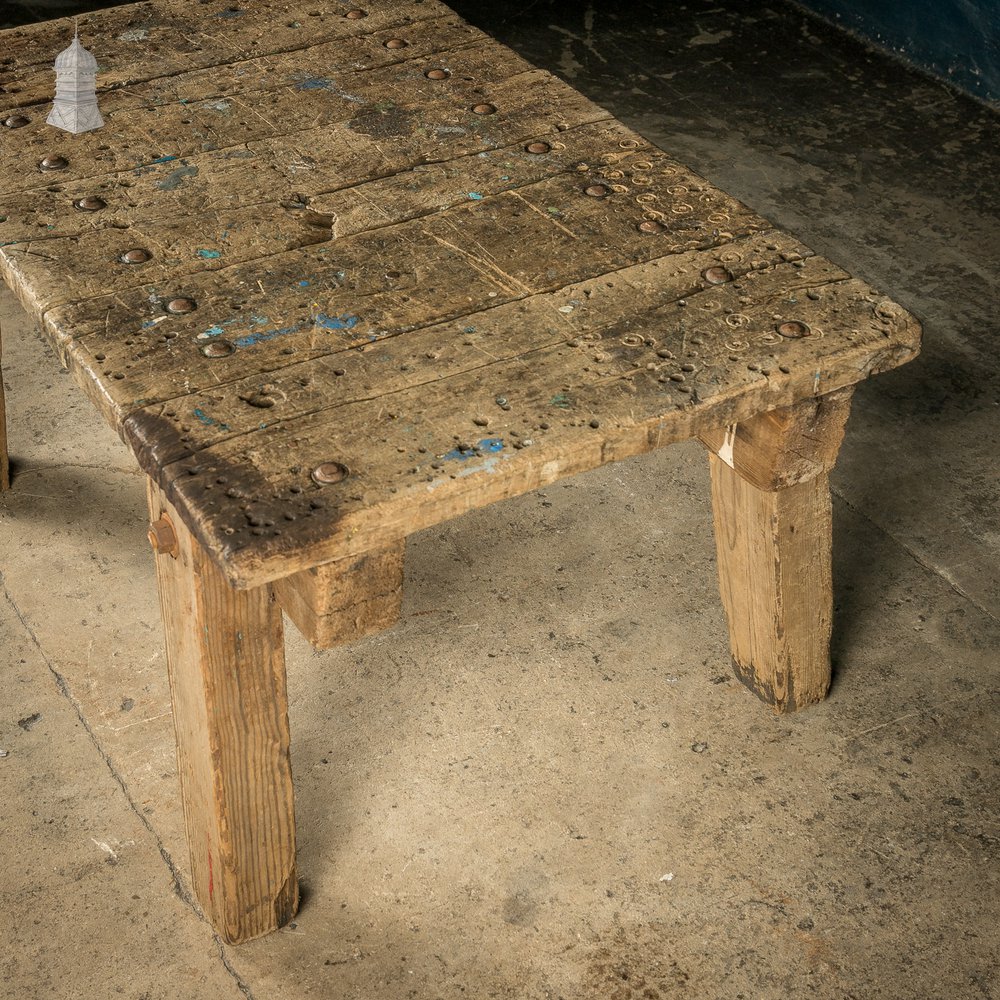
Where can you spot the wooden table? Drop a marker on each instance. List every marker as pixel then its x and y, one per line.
pixel 336 275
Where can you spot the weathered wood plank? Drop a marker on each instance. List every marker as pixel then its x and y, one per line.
pixel 306 303
pixel 187 235
pixel 331 160
pixel 138 43
pixel 225 655
pixel 346 600
pixel 312 65
pixel 501 335
pixel 387 102
pixel 422 455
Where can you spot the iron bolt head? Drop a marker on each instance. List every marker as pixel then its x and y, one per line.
pixel 16 121
pixel 163 538
pixel 181 305
pixel 137 255
pixel 218 349
pixel 54 162
pixel 89 204
pixel 329 473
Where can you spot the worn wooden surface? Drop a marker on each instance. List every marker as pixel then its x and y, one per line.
pixel 4 455
pixel 225 653
pixel 345 600
pixel 787 445
pixel 774 550
pixel 444 286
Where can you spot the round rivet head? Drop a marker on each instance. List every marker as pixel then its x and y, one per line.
pixel 181 305
pixel 137 255
pixel 16 121
pixel 218 349
pixel 597 190
pixel 717 275
pixel 89 204
pixel 484 109
pixel 329 473
pixel 793 329
pixel 437 74
pixel 652 226
pixel 537 147
pixel 396 43
pixel 54 163
pixel 356 14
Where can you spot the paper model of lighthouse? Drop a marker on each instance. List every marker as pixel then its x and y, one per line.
pixel 75 106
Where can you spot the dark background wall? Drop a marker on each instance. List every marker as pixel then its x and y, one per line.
pixel 956 39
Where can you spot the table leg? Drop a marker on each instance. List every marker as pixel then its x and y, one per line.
pixel 225 655
pixel 773 533
pixel 4 456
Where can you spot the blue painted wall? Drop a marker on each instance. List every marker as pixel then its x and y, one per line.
pixel 956 39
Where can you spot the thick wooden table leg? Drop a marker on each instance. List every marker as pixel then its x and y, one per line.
pixel 4 456
pixel 773 533
pixel 225 654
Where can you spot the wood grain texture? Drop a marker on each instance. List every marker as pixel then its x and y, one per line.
pixel 787 445
pixel 4 455
pixel 774 545
pixel 225 655
pixel 345 600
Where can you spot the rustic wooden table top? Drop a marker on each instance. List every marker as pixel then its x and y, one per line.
pixel 337 275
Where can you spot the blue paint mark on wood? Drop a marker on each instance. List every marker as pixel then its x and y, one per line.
pixel 346 322
pixel 209 254
pixel 209 421
pixel 486 445
pixel 174 179
pixel 315 83
pixel 475 196
pixel 165 159
pixel 257 338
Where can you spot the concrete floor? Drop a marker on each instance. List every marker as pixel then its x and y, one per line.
pixel 544 782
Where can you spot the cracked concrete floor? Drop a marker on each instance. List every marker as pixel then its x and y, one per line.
pixel 501 797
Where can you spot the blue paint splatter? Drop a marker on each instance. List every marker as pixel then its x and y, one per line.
pixel 562 400
pixel 213 331
pixel 346 322
pixel 475 196
pixel 314 83
pixel 257 338
pixel 173 180
pixel 165 159
pixel 209 254
pixel 491 445
pixel 303 284
pixel 209 421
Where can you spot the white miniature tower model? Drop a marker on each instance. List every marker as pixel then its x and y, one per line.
pixel 75 107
